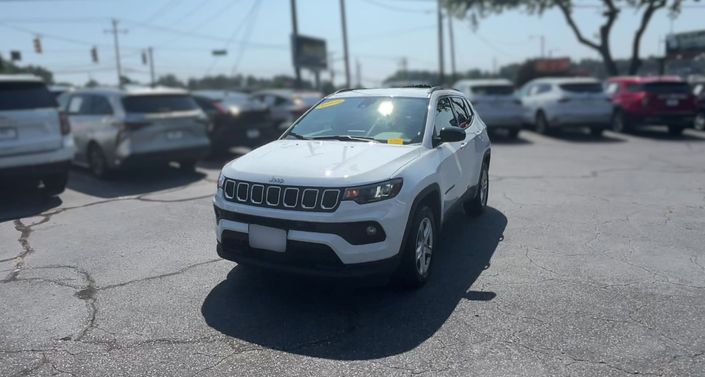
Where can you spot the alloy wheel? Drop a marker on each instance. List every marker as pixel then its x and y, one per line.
pixel 424 246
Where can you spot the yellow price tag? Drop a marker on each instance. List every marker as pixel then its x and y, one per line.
pixel 330 103
pixel 395 141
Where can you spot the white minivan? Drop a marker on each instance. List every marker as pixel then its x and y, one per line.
pixel 496 102
pixel 35 139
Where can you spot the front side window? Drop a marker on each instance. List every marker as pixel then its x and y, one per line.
pixel 444 115
pixel 384 119
pixel 461 112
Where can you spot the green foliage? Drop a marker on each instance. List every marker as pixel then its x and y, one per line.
pixel 8 67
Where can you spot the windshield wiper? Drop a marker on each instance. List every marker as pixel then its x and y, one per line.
pixel 346 138
pixel 297 136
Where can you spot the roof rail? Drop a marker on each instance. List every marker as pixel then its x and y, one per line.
pixel 344 90
pixel 434 88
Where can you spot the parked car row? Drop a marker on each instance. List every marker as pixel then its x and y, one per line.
pixel 621 104
pixel 43 130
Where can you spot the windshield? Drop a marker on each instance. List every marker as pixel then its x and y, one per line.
pixel 153 104
pixel 25 96
pixel 493 90
pixel 385 119
pixel 582 88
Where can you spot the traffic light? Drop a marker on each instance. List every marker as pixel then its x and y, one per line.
pixel 37 45
pixel 94 55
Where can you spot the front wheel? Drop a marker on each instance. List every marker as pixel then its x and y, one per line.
pixel 619 122
pixel 541 123
pixel 700 121
pixel 55 184
pixel 415 267
pixel 477 204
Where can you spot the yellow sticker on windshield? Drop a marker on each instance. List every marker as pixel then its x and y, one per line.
pixel 330 103
pixel 395 141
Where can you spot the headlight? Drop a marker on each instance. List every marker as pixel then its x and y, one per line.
pixel 221 180
pixel 234 110
pixel 374 192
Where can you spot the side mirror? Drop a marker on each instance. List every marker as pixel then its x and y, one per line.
pixel 452 134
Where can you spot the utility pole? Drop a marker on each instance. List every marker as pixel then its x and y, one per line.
pixel 358 73
pixel 295 34
pixel 345 43
pixel 150 51
pixel 115 32
pixel 440 46
pixel 452 47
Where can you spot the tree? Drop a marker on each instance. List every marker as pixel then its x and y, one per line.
pixel 12 68
pixel 170 80
pixel 476 9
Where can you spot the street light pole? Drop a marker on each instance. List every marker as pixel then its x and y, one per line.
pixel 150 51
pixel 295 34
pixel 345 43
pixel 452 47
pixel 440 45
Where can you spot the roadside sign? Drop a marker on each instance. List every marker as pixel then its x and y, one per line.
pixel 309 52
pixel 686 44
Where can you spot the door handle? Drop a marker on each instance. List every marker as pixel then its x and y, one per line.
pixel 463 144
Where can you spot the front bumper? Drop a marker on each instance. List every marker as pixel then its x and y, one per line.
pixel 342 232
pixel 682 119
pixel 34 171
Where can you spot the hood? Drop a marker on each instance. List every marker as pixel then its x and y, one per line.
pixel 321 163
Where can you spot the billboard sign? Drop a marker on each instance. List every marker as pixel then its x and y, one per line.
pixel 685 44
pixel 552 65
pixel 309 52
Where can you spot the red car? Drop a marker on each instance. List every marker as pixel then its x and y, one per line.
pixel 643 101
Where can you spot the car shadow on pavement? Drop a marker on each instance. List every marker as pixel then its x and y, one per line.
pixel 19 203
pixel 131 182
pixel 355 321
pixel 504 140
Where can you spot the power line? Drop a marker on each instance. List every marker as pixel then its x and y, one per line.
pixel 161 10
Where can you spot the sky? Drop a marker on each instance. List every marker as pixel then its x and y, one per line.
pixel 256 34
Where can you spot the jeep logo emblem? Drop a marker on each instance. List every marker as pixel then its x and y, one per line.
pixel 276 180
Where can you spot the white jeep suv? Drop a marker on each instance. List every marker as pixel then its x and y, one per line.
pixel 359 185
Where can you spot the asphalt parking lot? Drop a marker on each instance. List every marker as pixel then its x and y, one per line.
pixel 591 261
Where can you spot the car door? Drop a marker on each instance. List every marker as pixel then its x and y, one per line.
pixel 450 170
pixel 101 121
pixel 78 115
pixel 468 148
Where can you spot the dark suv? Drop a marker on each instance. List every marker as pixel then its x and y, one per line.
pixel 642 101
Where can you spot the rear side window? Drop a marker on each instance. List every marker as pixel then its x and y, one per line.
pixel 152 104
pixel 100 106
pixel 493 90
pixel 582 88
pixel 25 96
pixel 667 87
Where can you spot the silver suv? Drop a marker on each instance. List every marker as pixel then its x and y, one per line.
pixel 116 128
pixel 35 140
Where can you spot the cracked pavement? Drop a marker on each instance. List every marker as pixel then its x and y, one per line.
pixel 591 261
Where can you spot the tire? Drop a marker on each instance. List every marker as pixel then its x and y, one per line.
pixel 421 239
pixel 55 184
pixel 97 162
pixel 512 133
pixel 596 132
pixel 700 121
pixel 619 122
pixel 189 165
pixel 541 123
pixel 675 130
pixel 477 205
